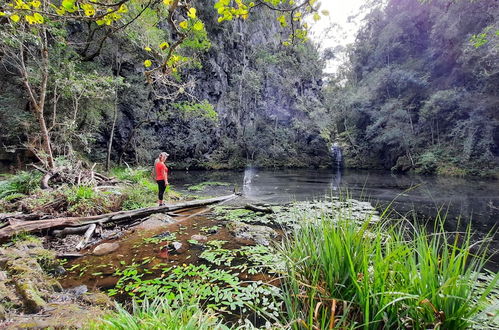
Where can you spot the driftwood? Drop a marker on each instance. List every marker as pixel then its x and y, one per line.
pixel 77 174
pixel 258 208
pixel 88 234
pixel 17 226
pixel 70 231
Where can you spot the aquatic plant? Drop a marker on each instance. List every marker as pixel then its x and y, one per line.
pixel 217 289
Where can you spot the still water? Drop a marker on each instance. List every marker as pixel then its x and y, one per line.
pixel 419 198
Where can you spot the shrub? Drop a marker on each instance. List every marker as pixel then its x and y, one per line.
pixel 427 163
pixel 83 200
pixel 132 175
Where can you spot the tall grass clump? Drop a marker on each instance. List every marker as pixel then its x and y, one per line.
pixel 382 276
pixel 158 314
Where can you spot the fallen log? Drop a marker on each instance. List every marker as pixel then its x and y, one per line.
pixel 70 231
pixel 21 216
pixel 17 226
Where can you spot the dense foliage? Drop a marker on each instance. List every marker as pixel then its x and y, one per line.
pixel 121 81
pixel 420 89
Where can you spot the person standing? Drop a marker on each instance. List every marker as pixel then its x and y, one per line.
pixel 161 175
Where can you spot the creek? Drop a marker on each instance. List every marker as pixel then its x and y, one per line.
pixel 417 197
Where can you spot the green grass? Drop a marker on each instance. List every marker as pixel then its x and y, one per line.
pixel 158 314
pixel 375 277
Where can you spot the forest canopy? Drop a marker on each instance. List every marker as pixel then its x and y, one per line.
pixel 238 82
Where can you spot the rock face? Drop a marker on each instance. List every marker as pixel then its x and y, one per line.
pixel 259 234
pixel 105 248
pixel 31 298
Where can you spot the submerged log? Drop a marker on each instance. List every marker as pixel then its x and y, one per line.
pixel 17 226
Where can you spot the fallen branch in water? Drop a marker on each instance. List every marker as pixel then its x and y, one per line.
pixel 20 226
pixel 88 234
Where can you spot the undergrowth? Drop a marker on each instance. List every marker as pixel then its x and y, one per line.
pixel 20 184
pixel 21 192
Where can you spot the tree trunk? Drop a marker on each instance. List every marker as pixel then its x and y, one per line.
pixel 113 127
pixel 45 136
pixel 38 99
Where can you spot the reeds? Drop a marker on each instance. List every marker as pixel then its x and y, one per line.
pixel 374 276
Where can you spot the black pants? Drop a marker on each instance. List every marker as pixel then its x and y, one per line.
pixel 161 189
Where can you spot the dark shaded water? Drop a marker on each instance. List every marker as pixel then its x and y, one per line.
pixel 417 197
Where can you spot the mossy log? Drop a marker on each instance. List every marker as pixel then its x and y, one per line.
pixel 20 226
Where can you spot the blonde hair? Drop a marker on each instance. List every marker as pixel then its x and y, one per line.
pixel 163 154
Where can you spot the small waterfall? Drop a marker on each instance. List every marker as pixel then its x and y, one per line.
pixel 336 154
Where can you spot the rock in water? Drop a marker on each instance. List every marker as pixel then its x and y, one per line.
pixel 260 234
pixel 105 248
pixel 199 238
pixel 175 247
pixel 157 220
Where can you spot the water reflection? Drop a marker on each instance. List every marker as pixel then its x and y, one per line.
pixel 472 200
pixel 336 179
pixel 249 174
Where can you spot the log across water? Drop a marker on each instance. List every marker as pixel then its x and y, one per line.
pixel 17 226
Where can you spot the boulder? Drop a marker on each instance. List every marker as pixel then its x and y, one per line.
pixel 33 302
pixel 259 234
pixel 105 248
pixel 97 299
pixel 162 217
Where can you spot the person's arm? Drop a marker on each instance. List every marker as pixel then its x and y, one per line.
pixel 165 172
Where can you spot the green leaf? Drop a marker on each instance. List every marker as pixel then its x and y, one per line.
pixel 68 4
